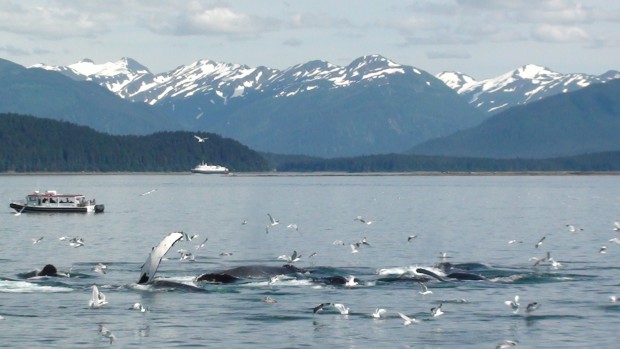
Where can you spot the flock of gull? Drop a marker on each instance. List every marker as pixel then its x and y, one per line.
pixel 98 299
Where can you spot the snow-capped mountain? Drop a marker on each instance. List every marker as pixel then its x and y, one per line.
pixel 225 81
pixel 521 86
pixel 372 105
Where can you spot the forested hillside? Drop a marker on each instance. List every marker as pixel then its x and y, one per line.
pixel 29 144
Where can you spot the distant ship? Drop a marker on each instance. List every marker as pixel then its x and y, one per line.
pixel 209 169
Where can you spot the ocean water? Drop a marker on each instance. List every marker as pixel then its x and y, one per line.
pixel 470 219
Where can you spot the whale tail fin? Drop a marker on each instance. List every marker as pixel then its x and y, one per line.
pixel 147 273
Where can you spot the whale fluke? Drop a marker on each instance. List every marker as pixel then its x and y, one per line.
pixel 147 273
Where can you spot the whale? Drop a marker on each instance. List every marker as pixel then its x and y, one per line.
pixel 453 272
pixel 248 272
pixel 48 270
pixel 149 268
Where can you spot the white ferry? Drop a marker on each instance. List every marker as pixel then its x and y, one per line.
pixel 51 201
pixel 209 169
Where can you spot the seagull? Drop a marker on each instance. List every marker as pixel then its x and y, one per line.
pixel 532 306
pixel 148 192
pixel 342 309
pixel 293 226
pixel 139 307
pixel 408 320
pixel 226 254
pixel 359 218
pixel 188 237
pixel 613 298
pixel 573 228
pixel 514 304
pixel 107 333
pixel 515 242
pixel 201 139
pixel 378 313
pixel 540 241
pixel 319 307
pixel 616 226
pixel 542 260
pixel 364 242
pixel 97 300
pixel 603 249
pixel 354 248
pixel 615 240
pixel 312 255
pixel 411 237
pixel 76 242
pixel 19 213
pixel 292 258
pixel 100 268
pixel 35 241
pixel 244 222
pixel 273 222
pixel 506 344
pixel 351 281
pixel 424 290
pixel 436 311
pixel 269 300
pixel 338 242
pixel 202 244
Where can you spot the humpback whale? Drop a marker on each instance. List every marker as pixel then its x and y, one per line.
pixel 248 272
pixel 48 270
pixel 147 272
pixel 453 272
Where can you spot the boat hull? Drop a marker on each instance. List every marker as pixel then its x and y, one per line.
pixel 209 172
pixel 26 208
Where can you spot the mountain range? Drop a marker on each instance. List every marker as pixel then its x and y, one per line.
pixel 371 106
pixel 523 85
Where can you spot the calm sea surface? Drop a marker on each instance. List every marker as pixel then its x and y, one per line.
pixel 469 218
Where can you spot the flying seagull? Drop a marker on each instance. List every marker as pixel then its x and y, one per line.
pixel 514 304
pixel 272 221
pixel 200 139
pixel 424 290
pixel 97 300
pixel 411 237
pixel 540 241
pixel 363 220
pixel 342 309
pixel 378 313
pixel 408 320
pixel 107 333
pixel 436 311
pixel 319 307
pixel 35 241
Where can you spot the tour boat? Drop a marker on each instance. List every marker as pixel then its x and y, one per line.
pixel 51 201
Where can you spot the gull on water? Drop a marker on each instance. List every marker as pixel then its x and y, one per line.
pixel 424 290
pixel 342 309
pixel 293 226
pixel 97 300
pixel 107 333
pixel 514 304
pixel 531 307
pixel 244 222
pixel 76 242
pixel 312 255
pixel 615 240
pixel 408 320
pixel 506 344
pixel 35 241
pixel 100 268
pixel 351 281
pixel 378 313
pixel 616 226
pixel 436 311
pixel 269 300
pixel 139 307
pixel 613 298
pixel 354 248
pixel 319 307
pixel 572 228
pixel 200 139
pixel 515 242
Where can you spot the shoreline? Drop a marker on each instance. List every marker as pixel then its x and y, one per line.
pixel 325 174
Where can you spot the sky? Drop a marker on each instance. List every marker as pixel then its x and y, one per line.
pixel 480 38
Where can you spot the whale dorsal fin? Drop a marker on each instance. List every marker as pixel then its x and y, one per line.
pixel 147 273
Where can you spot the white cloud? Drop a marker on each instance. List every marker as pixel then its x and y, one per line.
pixel 448 54
pixel 559 34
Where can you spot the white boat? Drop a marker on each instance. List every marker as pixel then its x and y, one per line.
pixel 209 169
pixel 51 201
